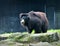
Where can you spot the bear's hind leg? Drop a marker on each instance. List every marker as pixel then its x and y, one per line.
pixel 37 30
pixel 44 29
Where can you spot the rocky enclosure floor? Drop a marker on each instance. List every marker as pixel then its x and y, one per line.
pixel 9 42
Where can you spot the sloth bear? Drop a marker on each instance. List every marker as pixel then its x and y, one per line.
pixel 34 20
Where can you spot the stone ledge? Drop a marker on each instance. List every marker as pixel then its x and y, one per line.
pixel 31 38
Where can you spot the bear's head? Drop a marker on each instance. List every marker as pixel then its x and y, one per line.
pixel 24 17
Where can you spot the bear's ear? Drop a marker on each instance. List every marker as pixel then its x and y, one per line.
pixel 20 15
pixel 31 11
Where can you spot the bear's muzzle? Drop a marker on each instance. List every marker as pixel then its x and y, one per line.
pixel 22 21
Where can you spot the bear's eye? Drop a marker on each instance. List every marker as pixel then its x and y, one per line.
pixel 27 18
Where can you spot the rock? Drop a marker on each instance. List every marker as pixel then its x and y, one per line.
pixel 41 44
pixel 31 38
pixel 26 39
pixel 35 38
pixel 44 37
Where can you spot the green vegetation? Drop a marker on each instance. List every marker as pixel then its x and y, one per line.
pixel 51 30
pixel 54 30
pixel 33 31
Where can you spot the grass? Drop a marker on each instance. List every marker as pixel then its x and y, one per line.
pixel 54 30
pixel 51 30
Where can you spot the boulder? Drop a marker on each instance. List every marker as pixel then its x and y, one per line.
pixel 34 38
pixel 31 38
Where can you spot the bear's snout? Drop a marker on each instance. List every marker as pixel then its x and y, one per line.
pixel 22 21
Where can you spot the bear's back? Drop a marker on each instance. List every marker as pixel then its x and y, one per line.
pixel 42 16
